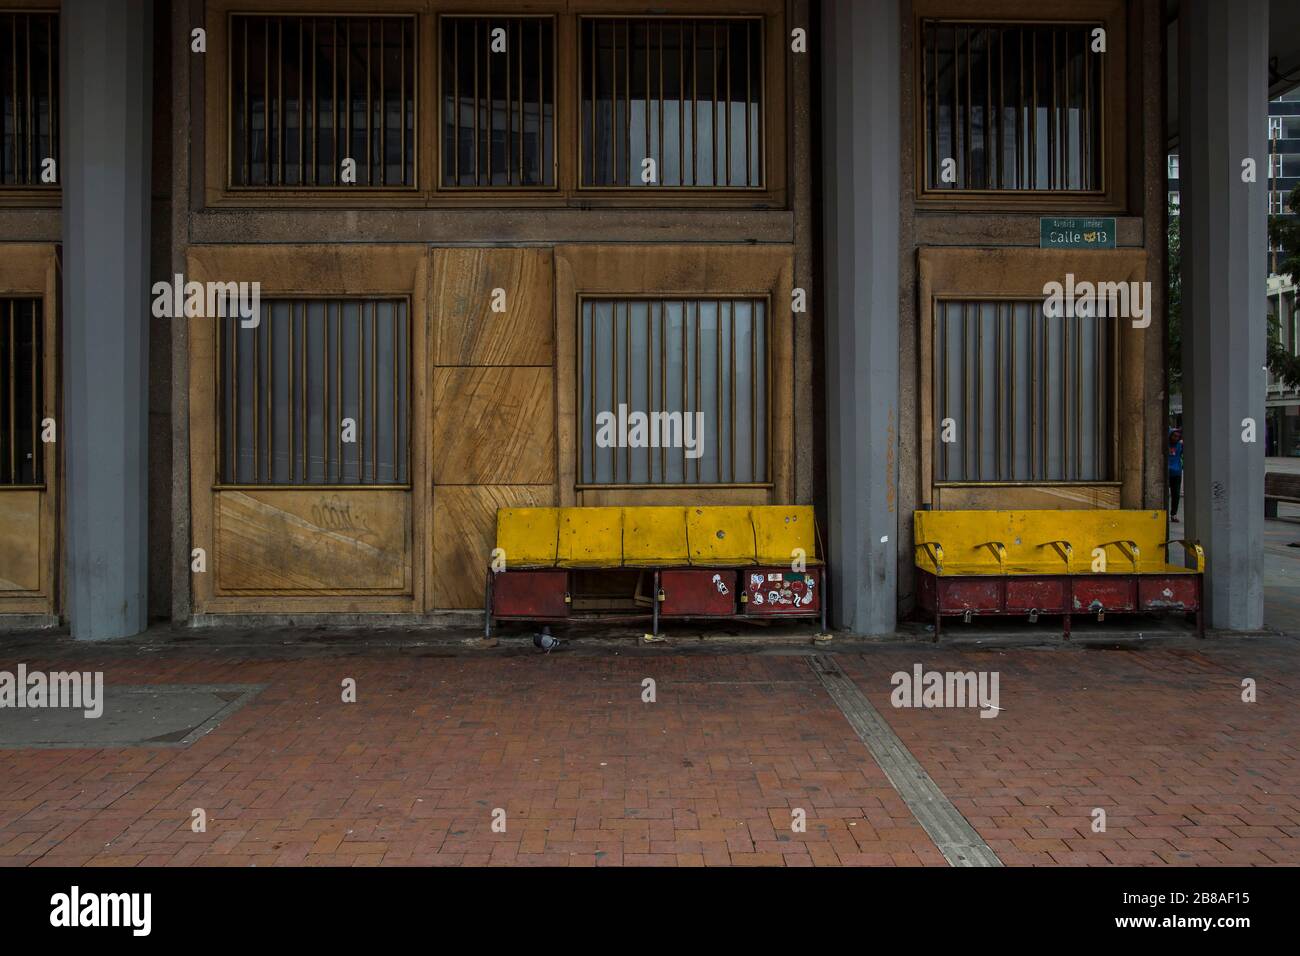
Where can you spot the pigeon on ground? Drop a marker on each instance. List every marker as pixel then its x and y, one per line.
pixel 544 641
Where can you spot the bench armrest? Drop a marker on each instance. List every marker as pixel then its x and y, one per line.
pixel 934 551
pixel 999 551
pixel 1193 546
pixel 1127 548
pixel 1063 548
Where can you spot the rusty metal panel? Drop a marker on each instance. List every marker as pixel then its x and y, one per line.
pixel 776 591
pixel 925 591
pixel 1048 594
pixel 1171 593
pixel 1105 592
pixel 530 594
pixel 970 594
pixel 702 593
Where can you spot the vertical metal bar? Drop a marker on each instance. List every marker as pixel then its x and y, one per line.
pixel 649 375
pixel 627 99
pixel 37 356
pixel 697 357
pixel 695 122
pixel 315 106
pixel 749 83
pixel 659 151
pixel 591 357
pixel 1002 110
pixel 753 391
pixel 370 112
pixel 257 396
pixel 1053 129
pixel 13 40
pixel 1000 389
pixel 595 102
pixel 383 103
pixel 348 69
pixel 374 391
pixel 1065 112
pixel 979 392
pixel 1078 397
pixel 627 362
pixel 508 139
pixel 1065 398
pixel 1042 381
pixel 646 100
pixel 541 109
pixel 522 115
pixel 1015 376
pixel 477 106
pixel 731 413
pixel 941 380
pixel 685 326
pixel 270 397
pixel 338 390
pixel 266 101
pixel 397 378
pixel 305 466
pixel 728 115
pixel 279 101
pixel 713 109
pixel 491 112
pixel 455 98
pixel 334 102
pixel 1085 140
pixel 663 381
pixel 361 392
pixel 990 155
pixel 1033 124
pixel 401 141
pixel 13 371
pixel 681 103
pixel 291 390
pixel 1033 390
pixel 325 416
pixel 31 133
pixel 613 382
pixel 302 162
pixel 968 177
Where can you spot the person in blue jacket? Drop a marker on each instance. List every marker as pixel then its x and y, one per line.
pixel 1175 471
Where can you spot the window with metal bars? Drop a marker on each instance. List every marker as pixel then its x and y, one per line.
pixel 1022 396
pixel 293 384
pixel 673 392
pixel 29 88
pixel 1012 107
pixel 308 93
pixel 20 392
pixel 498 101
pixel 683 93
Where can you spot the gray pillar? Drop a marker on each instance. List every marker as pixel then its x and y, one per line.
pixel 860 182
pixel 1223 109
pixel 105 173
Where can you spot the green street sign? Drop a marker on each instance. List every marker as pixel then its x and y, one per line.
pixel 1076 233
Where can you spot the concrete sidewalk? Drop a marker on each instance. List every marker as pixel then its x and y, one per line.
pixel 741 741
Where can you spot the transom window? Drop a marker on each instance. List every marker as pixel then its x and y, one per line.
pixel 322 102
pixel 498 101
pixel 673 391
pixel 672 102
pixel 1021 396
pixel 1012 107
pixel 317 393
pixel 20 392
pixel 29 92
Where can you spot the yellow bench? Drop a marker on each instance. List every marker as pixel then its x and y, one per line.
pixel 1051 562
pixel 707 561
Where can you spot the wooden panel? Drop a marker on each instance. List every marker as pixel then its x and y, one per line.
pixel 464 531
pixel 351 270
pixel 1025 497
pixel 20 541
pixel 465 329
pixel 493 426
pixel 313 540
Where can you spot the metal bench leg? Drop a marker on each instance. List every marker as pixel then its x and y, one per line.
pixel 654 604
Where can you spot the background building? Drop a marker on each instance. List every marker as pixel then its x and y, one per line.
pixel 819 224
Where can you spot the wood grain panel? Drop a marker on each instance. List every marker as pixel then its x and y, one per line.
pixel 493 426
pixel 464 532
pixel 331 541
pixel 1026 498
pixel 467 331
pixel 20 541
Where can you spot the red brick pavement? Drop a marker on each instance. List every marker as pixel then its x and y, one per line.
pixel 588 774
pixel 1160 739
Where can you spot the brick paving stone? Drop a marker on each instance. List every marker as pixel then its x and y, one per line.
pixel 708 775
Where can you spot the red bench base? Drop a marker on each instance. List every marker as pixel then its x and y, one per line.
pixel 1057 594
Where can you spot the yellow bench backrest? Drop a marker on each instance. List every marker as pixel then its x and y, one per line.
pixel 655 536
pixel 1041 542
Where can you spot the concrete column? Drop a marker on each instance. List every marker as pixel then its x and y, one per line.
pixel 105 173
pixel 860 181
pixel 1223 110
